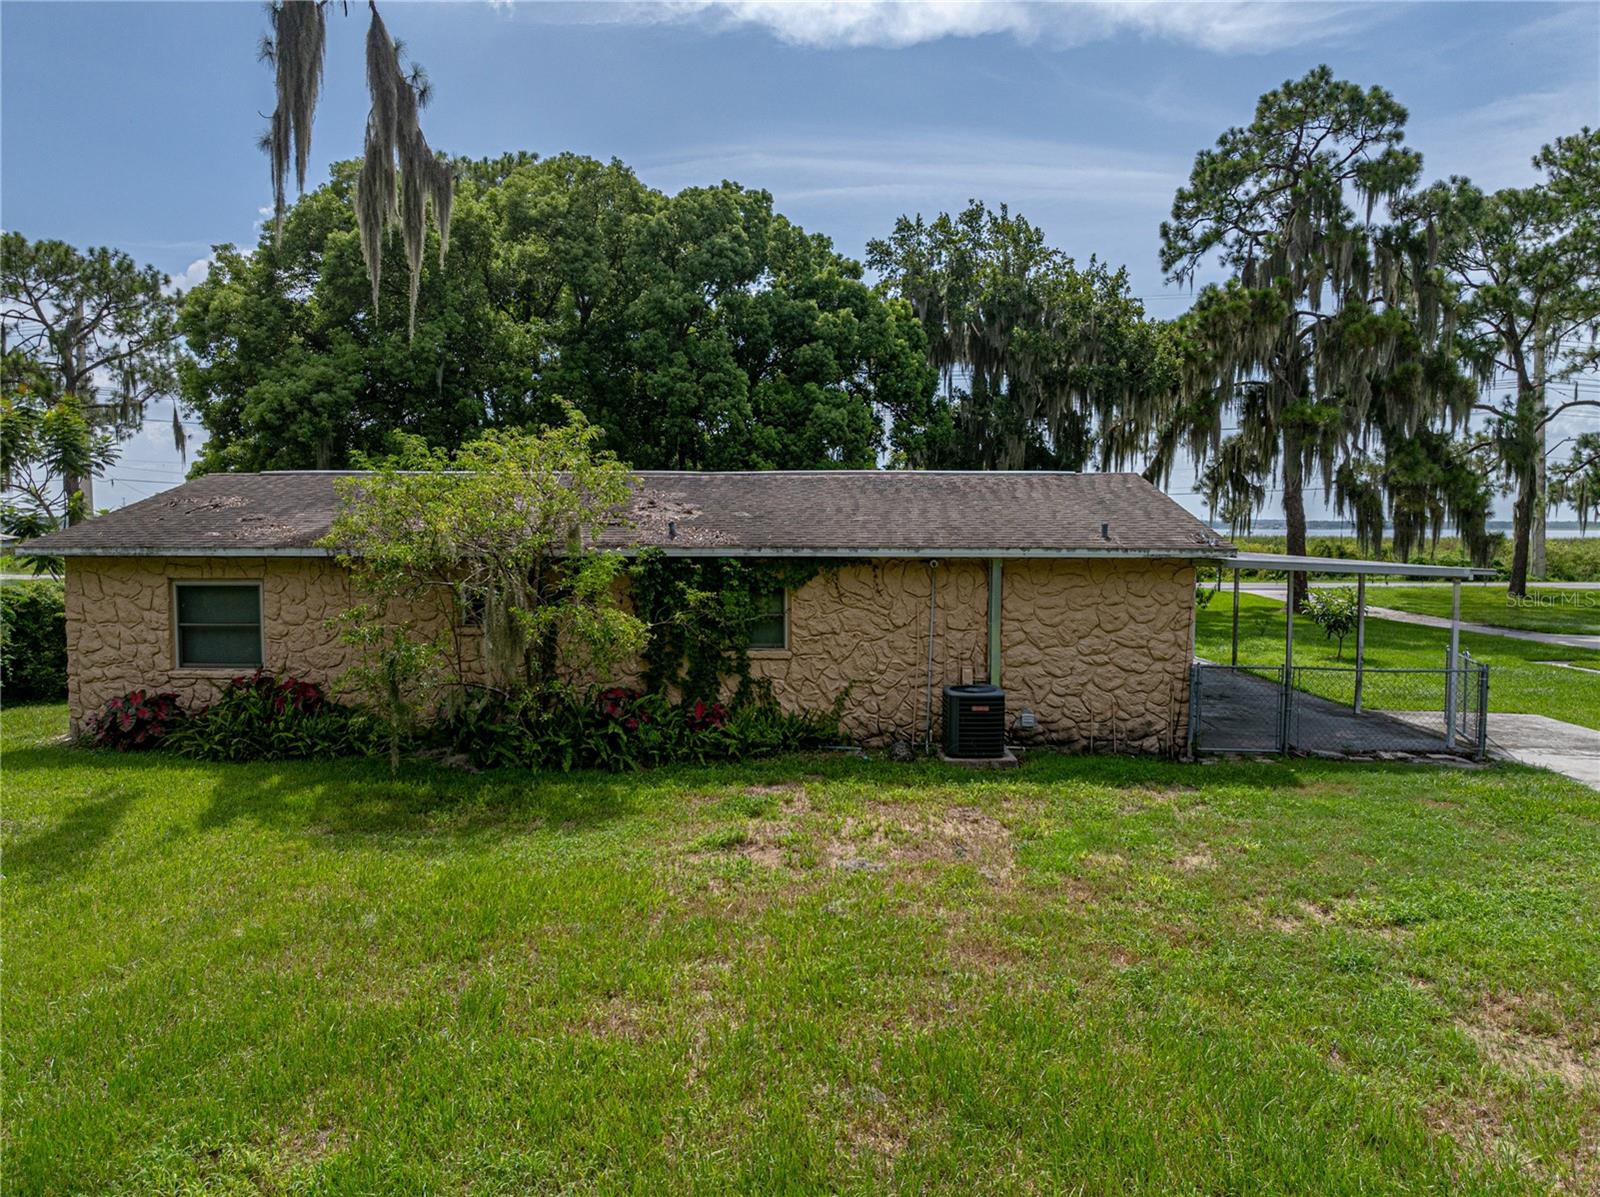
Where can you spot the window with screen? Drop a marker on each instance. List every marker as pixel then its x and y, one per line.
pixel 770 629
pixel 219 624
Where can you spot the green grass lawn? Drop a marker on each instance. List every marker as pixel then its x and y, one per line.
pixel 1546 609
pixel 807 975
pixel 1517 683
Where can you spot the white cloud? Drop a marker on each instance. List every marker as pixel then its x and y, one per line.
pixel 193 274
pixel 1494 143
pixel 1223 26
pixel 928 172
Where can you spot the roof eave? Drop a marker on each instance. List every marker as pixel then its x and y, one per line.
pixel 147 551
pixel 1197 551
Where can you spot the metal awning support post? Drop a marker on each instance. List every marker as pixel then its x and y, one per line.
pixel 1452 661
pixel 1288 669
pixel 1235 661
pixel 1361 634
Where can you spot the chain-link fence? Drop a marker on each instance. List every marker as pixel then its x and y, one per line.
pixel 1339 709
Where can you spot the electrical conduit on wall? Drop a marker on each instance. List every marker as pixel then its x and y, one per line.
pixel 933 616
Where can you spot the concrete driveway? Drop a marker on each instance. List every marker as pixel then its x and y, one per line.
pixel 1548 743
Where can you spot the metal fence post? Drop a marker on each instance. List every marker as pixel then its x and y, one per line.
pixel 1194 705
pixel 1483 713
pixel 1287 711
pixel 1235 659
pixel 1451 663
pixel 1361 634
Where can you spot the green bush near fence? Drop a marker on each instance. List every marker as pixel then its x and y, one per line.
pixel 33 640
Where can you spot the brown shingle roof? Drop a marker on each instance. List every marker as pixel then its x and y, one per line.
pixel 809 512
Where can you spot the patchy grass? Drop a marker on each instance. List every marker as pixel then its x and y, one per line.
pixel 1518 682
pixel 812 974
pixel 1546 609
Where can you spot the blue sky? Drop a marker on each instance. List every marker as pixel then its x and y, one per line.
pixel 134 124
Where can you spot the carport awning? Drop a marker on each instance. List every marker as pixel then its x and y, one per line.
pixel 1340 565
pixel 1292 564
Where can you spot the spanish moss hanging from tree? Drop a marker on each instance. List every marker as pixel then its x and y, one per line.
pixel 401 177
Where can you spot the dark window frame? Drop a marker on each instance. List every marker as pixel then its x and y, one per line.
pixel 782 615
pixel 178 624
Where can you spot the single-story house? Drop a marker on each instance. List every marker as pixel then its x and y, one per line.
pixel 1075 592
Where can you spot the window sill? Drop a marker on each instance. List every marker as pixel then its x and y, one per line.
pixel 212 671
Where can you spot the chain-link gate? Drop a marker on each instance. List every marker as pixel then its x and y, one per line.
pixel 1339 709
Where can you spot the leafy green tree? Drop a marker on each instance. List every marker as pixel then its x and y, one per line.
pixel 700 330
pixel 1287 352
pixel 290 368
pixel 86 339
pixel 504 526
pixel 1523 266
pixel 1041 362
pixel 1335 612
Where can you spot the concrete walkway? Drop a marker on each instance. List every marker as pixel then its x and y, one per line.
pixel 1277 587
pixel 1547 743
pixel 1553 639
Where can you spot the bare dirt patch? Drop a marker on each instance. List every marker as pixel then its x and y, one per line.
pixel 771 827
pixel 1499 1030
pixel 614 1018
pixel 1183 801
pixel 1198 861
pixel 1353 914
pixel 786 790
pixel 301 1147
pixel 886 836
pixel 1481 1128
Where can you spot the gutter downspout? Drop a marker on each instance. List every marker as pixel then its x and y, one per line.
pixel 994 621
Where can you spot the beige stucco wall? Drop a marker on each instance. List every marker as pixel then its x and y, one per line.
pixel 1099 650
pixel 120 633
pixel 866 626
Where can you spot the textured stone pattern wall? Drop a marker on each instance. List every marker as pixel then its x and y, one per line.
pixel 1100 650
pixel 120 624
pixel 866 626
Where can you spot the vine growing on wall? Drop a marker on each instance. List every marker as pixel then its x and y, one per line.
pixel 700 612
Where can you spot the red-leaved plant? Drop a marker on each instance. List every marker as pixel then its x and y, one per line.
pixel 135 721
pixel 285 694
pixel 621 705
pixel 703 715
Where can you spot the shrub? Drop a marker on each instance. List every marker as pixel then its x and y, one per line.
pixel 621 728
pixel 263 717
pixel 1334 611
pixel 136 721
pixel 33 640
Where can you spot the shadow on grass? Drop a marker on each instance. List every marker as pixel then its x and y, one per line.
pixel 430 808
pixel 65 848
